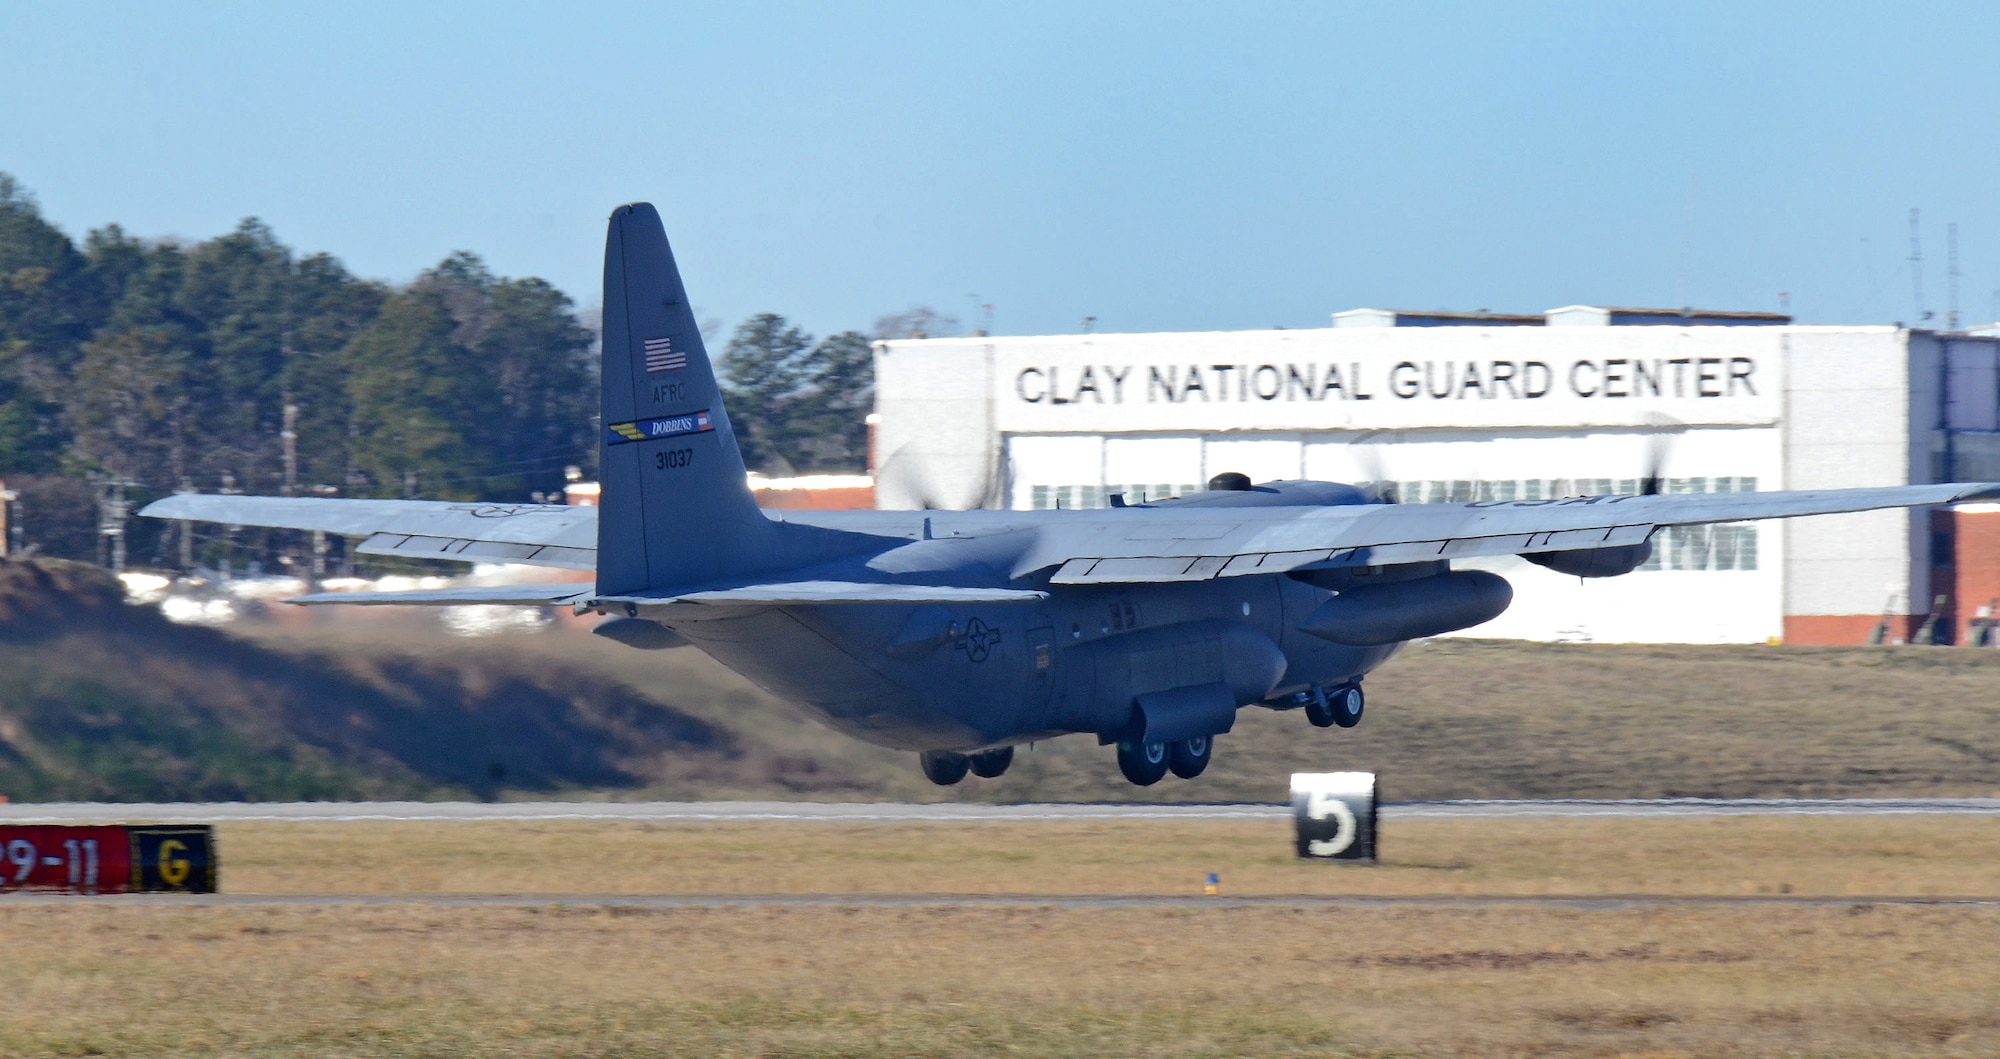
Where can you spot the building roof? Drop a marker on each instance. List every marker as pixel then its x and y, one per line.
pixel 1617 315
pixel 1587 315
pixel 1418 318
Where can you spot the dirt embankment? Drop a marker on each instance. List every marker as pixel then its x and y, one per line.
pixel 104 700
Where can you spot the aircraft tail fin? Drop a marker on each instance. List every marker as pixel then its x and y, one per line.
pixel 676 507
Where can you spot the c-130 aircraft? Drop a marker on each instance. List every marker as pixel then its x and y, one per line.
pixel 962 634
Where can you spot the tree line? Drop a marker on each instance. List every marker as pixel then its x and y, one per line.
pixel 239 363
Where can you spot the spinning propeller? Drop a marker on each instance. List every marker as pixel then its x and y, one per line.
pixel 1381 487
pixel 904 471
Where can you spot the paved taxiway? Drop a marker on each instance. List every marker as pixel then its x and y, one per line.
pixel 877 812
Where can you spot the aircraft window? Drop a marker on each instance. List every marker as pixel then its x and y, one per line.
pixel 1131 617
pixel 1045 656
pixel 1075 631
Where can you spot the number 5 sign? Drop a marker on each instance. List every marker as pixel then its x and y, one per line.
pixel 107 860
pixel 1335 814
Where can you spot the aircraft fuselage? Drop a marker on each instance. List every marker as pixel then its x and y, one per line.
pixel 978 676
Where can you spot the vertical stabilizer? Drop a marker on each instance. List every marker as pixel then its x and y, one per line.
pixel 676 508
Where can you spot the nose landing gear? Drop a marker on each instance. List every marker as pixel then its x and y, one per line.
pixel 1341 706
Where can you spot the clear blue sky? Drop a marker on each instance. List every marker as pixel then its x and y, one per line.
pixel 1159 166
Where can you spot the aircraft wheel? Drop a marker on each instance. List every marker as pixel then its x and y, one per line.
pixel 943 767
pixel 1346 703
pixel 1143 763
pixel 1190 756
pixel 1320 710
pixel 992 763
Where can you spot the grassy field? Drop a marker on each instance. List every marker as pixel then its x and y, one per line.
pixel 1855 978
pixel 1901 856
pixel 414 981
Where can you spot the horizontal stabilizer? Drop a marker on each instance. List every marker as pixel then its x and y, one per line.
pixel 469 596
pixel 806 593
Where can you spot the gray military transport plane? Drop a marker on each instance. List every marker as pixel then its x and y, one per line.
pixel 961 634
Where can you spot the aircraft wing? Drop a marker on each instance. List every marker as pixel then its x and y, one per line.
pixel 788 593
pixel 533 534
pixel 803 593
pixel 1144 545
pixel 470 595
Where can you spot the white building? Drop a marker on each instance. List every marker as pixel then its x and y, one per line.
pixel 1461 407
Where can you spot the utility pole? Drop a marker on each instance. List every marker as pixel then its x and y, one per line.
pixel 9 516
pixel 290 437
pixel 112 511
pixel 229 549
pixel 185 529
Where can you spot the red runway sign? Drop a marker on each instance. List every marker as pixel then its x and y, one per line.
pixel 107 860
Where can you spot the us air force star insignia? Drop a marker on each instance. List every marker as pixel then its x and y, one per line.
pixel 978 640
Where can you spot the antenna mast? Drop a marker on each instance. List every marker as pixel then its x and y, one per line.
pixel 1951 277
pixel 1917 266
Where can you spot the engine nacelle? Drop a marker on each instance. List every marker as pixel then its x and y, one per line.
pixel 1374 615
pixel 1595 562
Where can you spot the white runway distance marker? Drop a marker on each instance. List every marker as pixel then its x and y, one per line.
pixel 1335 815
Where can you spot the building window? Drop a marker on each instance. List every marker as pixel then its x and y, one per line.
pixel 1725 547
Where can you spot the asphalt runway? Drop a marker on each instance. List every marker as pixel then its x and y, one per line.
pixel 876 812
pixel 664 902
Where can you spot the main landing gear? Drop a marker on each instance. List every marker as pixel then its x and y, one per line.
pixel 945 768
pixel 1148 763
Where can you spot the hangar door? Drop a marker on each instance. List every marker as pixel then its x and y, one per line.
pixel 1265 459
pixel 1082 470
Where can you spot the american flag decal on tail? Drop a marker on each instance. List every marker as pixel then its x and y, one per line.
pixel 660 356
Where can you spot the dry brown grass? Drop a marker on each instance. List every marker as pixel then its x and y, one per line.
pixel 1903 856
pixel 105 978
pixel 418 981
